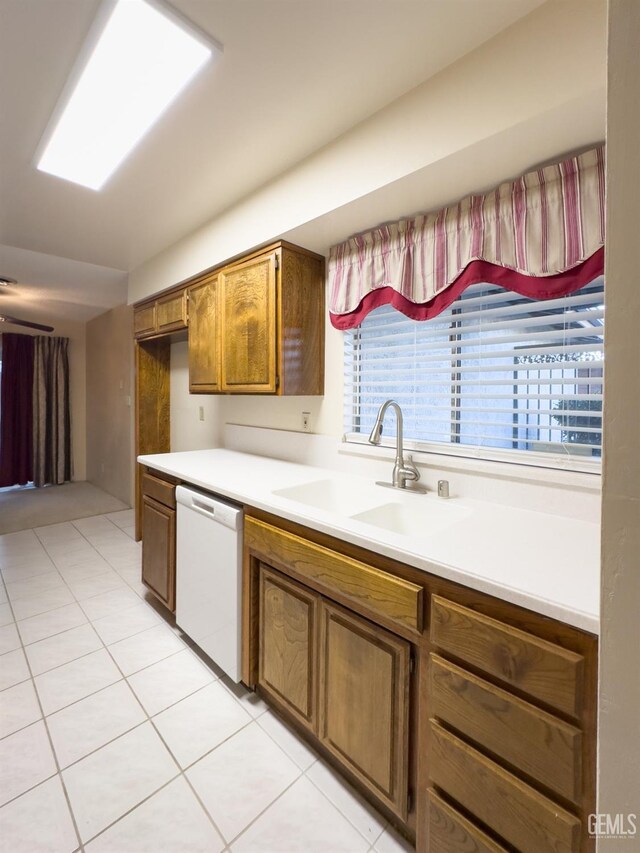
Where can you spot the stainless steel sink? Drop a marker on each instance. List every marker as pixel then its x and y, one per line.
pixel 418 518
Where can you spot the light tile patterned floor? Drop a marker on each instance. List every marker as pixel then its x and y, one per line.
pixel 117 737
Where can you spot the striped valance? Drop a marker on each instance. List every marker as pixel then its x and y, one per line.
pixel 541 235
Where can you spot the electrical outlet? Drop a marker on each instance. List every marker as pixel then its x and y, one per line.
pixel 201 413
pixel 306 421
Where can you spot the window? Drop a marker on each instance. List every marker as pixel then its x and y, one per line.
pixel 496 376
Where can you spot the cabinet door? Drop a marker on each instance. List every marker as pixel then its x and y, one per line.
pixel 204 343
pixel 171 312
pixel 159 550
pixel 287 647
pixel 364 702
pixel 144 321
pixel 248 326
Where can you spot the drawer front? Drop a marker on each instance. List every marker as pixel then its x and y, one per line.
pixel 539 744
pixel 160 490
pixel 515 811
pixel 144 321
pixel 360 586
pixel 545 671
pixel 171 312
pixel 450 832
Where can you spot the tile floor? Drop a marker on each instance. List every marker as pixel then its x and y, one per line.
pixel 117 737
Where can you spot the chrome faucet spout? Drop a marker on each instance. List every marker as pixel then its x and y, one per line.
pixel 403 470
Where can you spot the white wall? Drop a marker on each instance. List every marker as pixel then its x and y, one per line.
pixel 619 740
pixel 188 432
pixel 544 75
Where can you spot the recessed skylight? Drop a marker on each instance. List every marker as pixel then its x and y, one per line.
pixel 143 57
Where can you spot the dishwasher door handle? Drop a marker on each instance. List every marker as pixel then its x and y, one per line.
pixel 203 507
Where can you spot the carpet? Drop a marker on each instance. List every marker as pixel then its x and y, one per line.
pixel 25 507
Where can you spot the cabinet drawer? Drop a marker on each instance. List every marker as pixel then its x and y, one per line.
pixel 144 320
pixel 544 670
pixel 515 811
pixel 360 586
pixel 160 490
pixel 539 744
pixel 171 312
pixel 450 832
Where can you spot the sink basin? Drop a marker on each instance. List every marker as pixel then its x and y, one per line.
pixel 339 496
pixel 420 519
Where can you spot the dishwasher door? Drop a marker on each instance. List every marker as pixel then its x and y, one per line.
pixel 209 576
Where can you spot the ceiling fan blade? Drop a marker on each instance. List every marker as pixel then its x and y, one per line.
pixel 27 323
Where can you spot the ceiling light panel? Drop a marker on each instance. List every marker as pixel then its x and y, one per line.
pixel 143 57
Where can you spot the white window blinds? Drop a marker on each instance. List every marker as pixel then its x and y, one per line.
pixel 496 375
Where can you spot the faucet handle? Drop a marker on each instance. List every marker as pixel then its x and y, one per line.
pixel 412 472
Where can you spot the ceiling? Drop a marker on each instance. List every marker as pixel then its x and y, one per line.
pixel 294 75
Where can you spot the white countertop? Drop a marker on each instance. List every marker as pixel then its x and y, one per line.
pixel 546 563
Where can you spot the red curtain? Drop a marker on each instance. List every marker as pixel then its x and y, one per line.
pixel 16 410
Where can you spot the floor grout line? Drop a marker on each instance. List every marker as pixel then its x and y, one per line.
pixel 181 772
pixel 51 747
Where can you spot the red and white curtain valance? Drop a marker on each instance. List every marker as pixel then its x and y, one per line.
pixel 541 235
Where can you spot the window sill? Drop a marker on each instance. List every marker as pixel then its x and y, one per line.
pixel 469 463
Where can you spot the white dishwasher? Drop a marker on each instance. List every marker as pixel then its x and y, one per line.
pixel 209 576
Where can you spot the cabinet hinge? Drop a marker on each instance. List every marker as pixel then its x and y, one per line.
pixel 409 802
pixel 277 381
pixel 277 261
pixel 412 663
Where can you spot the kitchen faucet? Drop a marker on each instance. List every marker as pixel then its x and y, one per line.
pixel 403 471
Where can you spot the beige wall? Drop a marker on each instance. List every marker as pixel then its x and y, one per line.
pixel 619 743
pixel 110 402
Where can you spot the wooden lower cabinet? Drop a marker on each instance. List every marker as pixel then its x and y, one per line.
pixel 365 675
pixel 489 747
pixel 159 550
pixel 287 646
pixel 342 677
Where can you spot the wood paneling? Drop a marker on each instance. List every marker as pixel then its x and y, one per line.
pixel 364 702
pixel 161 490
pixel 515 811
pixel 171 312
pixel 248 326
pixel 144 320
pixel 287 645
pixel 450 832
pixel 531 740
pixel 545 671
pixel 159 551
pixel 204 338
pixel 356 584
pixel 153 359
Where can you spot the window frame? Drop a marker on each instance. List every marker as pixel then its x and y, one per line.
pixel 523 458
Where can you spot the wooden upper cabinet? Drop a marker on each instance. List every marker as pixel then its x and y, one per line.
pixel 166 314
pixel 171 312
pixel 257 326
pixel 144 320
pixel 204 343
pixel 248 326
pixel 364 702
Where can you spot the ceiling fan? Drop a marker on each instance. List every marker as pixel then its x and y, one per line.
pixel 15 321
